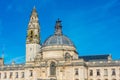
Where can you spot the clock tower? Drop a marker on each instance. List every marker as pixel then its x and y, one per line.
pixel 33 37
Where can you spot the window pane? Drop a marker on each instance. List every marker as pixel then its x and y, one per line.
pixel 113 72
pixel 76 72
pixel 105 72
pixel 31 73
pixel 52 68
pixel 16 74
pixel 98 72
pixel 91 72
pixel 22 74
pixel 11 74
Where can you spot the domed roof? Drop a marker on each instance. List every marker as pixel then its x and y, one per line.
pixel 58 40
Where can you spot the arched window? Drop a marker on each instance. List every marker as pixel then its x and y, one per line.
pixel 52 68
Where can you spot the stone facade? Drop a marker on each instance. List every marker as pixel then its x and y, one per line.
pixel 57 59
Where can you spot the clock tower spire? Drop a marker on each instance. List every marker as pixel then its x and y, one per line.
pixel 33 35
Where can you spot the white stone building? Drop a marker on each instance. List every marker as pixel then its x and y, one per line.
pixel 57 59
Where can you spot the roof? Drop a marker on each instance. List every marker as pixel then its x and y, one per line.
pixel 95 57
pixel 58 40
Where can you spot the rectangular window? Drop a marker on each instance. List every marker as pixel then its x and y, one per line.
pixel 76 71
pixel 113 72
pixel 22 75
pixel 5 75
pixel 31 73
pixel 16 74
pixel 105 72
pixel 91 72
pixel 11 74
pixel 98 72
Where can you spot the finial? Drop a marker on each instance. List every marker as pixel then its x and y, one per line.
pixel 34 9
pixel 58 27
pixel 58 22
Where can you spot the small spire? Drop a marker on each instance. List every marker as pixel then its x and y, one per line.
pixel 34 12
pixel 58 27
pixel 34 15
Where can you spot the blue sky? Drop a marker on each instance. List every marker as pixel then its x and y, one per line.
pixel 93 25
